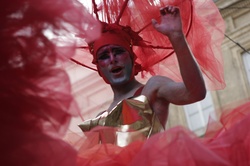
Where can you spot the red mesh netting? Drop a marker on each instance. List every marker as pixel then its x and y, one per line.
pixel 202 24
pixel 35 95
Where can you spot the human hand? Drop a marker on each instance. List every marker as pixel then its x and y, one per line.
pixel 170 24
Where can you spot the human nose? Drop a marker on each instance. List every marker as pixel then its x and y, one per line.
pixel 112 58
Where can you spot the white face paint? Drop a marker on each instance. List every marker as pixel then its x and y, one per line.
pixel 114 64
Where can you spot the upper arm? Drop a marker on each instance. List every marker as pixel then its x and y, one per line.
pixel 159 87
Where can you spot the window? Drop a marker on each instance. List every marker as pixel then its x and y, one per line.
pixel 246 61
pixel 198 113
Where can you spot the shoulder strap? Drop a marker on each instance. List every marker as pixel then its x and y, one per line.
pixel 138 91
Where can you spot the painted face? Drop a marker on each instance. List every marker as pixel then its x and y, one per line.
pixel 114 64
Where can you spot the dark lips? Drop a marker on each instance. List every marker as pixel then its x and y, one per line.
pixel 116 69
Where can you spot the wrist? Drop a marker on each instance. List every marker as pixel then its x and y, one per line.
pixel 176 36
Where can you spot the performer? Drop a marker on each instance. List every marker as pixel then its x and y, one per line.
pixel 115 62
pixel 118 60
pixel 130 44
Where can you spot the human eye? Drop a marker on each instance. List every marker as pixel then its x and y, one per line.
pixel 103 56
pixel 118 51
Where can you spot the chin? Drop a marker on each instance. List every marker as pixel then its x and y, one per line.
pixel 119 81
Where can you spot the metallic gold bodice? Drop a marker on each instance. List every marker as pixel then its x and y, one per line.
pixel 131 120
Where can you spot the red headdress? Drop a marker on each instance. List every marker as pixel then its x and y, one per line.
pixel 203 27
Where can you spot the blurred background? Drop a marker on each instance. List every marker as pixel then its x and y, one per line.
pixel 93 95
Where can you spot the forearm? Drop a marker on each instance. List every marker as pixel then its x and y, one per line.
pixel 189 69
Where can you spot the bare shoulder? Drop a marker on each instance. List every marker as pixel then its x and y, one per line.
pixel 159 78
pixel 156 83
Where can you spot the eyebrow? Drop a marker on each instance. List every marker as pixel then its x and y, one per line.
pixel 106 50
pixel 103 51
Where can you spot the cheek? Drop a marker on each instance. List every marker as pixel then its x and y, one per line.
pixel 103 63
pixel 102 75
pixel 124 58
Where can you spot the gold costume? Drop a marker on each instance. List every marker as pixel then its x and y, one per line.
pixel 130 120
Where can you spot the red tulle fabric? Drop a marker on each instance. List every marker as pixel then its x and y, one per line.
pixel 202 24
pixel 228 146
pixel 36 103
pixel 35 97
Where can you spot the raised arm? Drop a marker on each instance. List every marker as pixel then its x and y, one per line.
pixel 192 88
